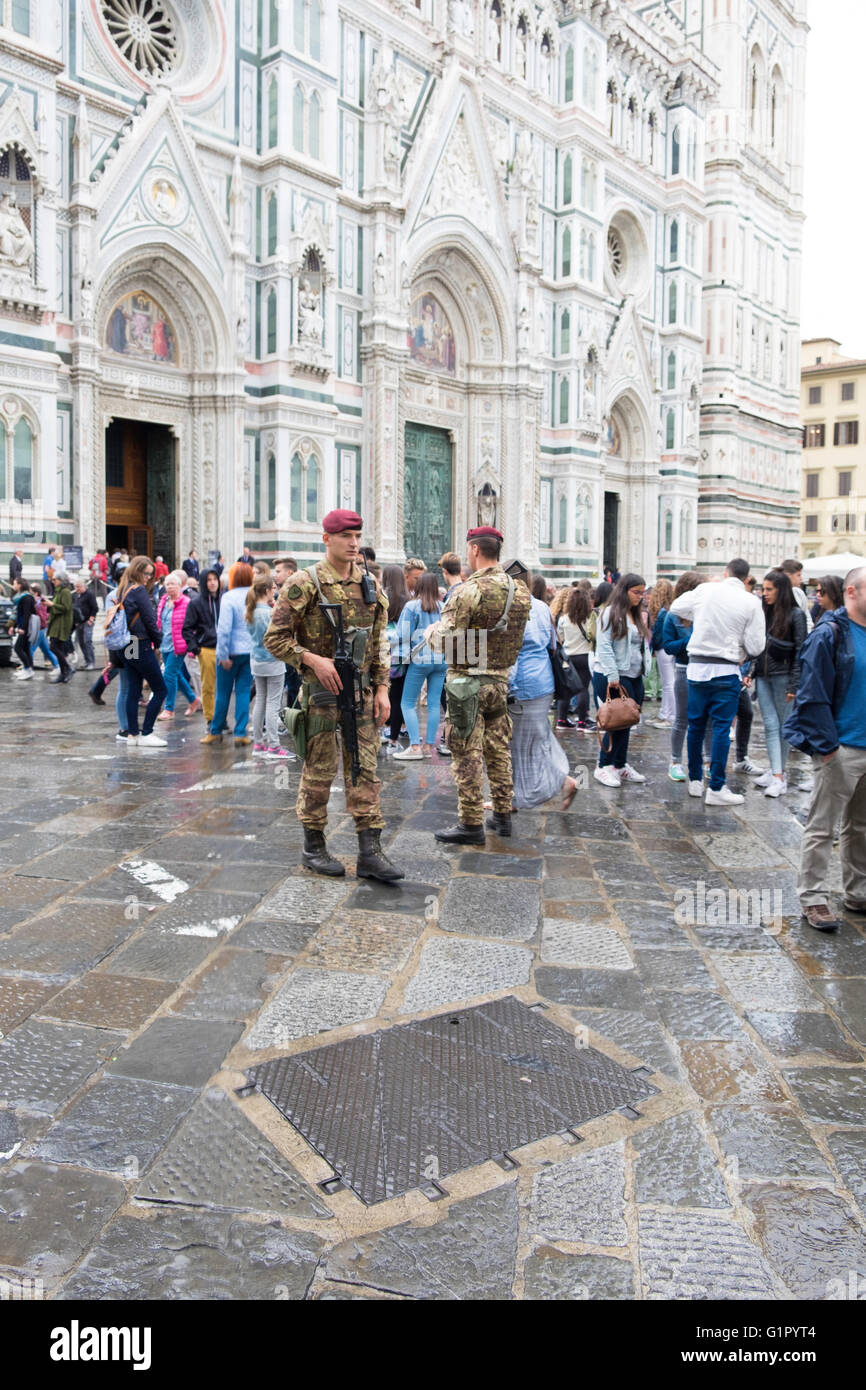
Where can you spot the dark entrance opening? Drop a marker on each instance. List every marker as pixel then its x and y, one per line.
pixel 139 489
pixel 611 530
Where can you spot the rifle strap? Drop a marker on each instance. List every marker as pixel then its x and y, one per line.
pixel 502 622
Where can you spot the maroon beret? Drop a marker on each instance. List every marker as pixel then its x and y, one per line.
pixel 480 532
pixel 338 521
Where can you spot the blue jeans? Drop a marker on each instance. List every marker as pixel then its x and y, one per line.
pixel 614 745
pixel 41 645
pixel 139 669
pixel 775 708
pixel 416 675
pixel 717 700
pixel 175 675
pixel 238 678
pixel 120 705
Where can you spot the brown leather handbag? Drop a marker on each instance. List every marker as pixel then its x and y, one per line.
pixel 617 712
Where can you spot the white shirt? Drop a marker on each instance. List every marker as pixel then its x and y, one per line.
pixel 727 623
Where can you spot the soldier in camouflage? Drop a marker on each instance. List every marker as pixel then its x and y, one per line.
pixel 481 631
pixel 300 635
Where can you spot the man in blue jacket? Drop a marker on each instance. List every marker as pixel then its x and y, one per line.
pixel 828 721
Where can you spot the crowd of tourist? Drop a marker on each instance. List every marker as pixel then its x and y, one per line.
pixel 711 649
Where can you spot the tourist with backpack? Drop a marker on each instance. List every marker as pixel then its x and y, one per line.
pixel 116 637
pixel 828 722
pixel 41 642
pixel 142 663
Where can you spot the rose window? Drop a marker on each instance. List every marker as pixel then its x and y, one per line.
pixel 615 252
pixel 144 34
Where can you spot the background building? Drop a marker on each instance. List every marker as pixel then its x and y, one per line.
pixel 443 261
pixel 833 506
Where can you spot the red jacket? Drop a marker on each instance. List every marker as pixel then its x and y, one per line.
pixel 178 613
pixel 100 563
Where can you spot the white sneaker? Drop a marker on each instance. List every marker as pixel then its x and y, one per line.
pixel 696 788
pixel 151 741
pixel 628 774
pixel 723 797
pixel 660 724
pixel 777 787
pixel 131 739
pixel 608 776
pixel 746 765
pixel 807 783
pixel 765 779
pixel 409 755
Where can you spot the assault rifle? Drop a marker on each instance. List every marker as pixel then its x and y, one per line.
pixel 349 697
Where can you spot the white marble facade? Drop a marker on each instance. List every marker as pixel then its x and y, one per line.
pixel 565 233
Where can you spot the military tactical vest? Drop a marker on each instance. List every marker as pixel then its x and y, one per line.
pixel 503 640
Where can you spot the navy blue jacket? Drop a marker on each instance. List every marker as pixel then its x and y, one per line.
pixel 825 675
pixel 675 638
pixel 657 640
pixel 140 617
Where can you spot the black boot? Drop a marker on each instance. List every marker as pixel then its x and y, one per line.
pixel 316 856
pixel 461 834
pixel 500 822
pixel 372 862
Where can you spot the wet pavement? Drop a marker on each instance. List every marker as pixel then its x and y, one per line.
pixel 158 938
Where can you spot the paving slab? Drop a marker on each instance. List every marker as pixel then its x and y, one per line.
pixel 811 1238
pixel 117 1126
pixel 641 1036
pixel 764 981
pixel 234 984
pixel 583 944
pixel 379 942
pixel 313 1001
pixel 279 938
pixel 108 1001
pixel 58 947
pixel 177 1051
pixel 697 1016
pixel 404 896
pixel 594 989
pixel 847 999
pixel 700 1255
pixel 450 971
pixel 550 1274
pixel 724 1071
pixel 52 1215
pixel 218 1159
pixel 675 1167
pixel 765 1142
pixel 582 1199
pixel 830 1095
pixel 310 899
pixel 156 955
pixel 176 1255
pixel 681 969
pixel 848 1147
pixel 492 907
pixel 789 1034
pixel 21 998
pixel 74 862
pixel 469 1255
pixel 42 1064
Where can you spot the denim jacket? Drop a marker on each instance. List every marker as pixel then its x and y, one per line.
pixel 612 654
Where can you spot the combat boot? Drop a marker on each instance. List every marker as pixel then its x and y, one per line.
pixel 316 856
pixel 461 834
pixel 500 822
pixel 372 862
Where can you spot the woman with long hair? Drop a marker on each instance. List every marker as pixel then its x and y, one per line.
pixel 424 666
pixel 572 629
pixel 25 612
pixel 233 651
pixel 828 596
pixel 539 761
pixel 133 593
pixel 170 615
pixel 675 639
pixel 777 672
pixel 397 594
pixel 270 674
pixel 660 600
pixel 622 660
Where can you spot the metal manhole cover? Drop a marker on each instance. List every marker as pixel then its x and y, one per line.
pixel 394 1109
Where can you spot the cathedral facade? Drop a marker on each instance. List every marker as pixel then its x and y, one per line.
pixel 442 261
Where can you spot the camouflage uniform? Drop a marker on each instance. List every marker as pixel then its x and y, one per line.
pixel 299 626
pixel 474 609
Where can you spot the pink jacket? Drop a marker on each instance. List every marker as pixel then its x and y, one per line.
pixel 178 614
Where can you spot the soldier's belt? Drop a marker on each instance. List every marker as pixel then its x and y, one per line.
pixel 318 695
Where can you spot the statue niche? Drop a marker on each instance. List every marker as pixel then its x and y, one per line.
pixel 16 212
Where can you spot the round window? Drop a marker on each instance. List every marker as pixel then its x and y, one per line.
pixel 615 253
pixel 144 34
pixel 627 269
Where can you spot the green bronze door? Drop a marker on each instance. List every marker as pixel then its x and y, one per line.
pixel 427 493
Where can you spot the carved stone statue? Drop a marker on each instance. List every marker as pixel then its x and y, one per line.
pixel 380 277
pixel 461 17
pixel 487 506
pixel 16 243
pixel 311 325
pixel 524 162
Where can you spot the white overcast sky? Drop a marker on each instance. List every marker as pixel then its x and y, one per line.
pixel 834 269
